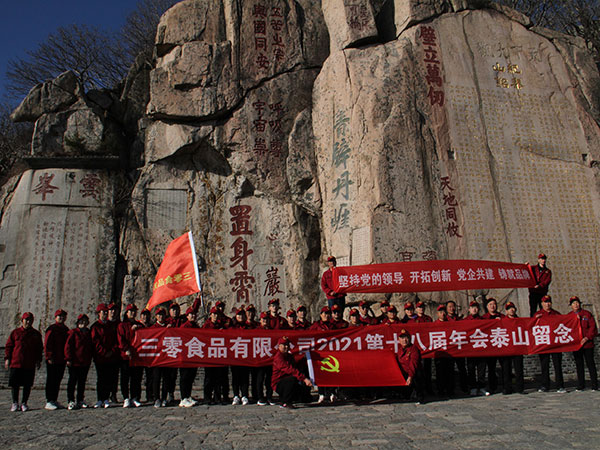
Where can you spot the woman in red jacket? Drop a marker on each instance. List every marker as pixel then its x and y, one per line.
pixel 56 336
pixel 23 353
pixel 131 376
pixel 79 350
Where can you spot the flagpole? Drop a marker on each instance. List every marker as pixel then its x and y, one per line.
pixel 193 248
pixel 311 370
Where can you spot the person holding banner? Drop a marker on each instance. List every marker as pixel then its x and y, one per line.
pixel 287 378
pixel 337 322
pixel 547 311
pixel 511 362
pixel 276 322
pixel 251 322
pixel 421 317
pixel 213 383
pixel 543 277
pixel 461 363
pixel 409 360
pixel 290 318
pixel 159 374
pixel 106 358
pixel 146 322
pixel 131 376
pixel 302 323
pixel 383 307
pixel 324 323
pixel 366 316
pixel 492 314
pixel 392 317
pixel 240 375
pixel 589 331
pixel 333 298
pixel 409 313
pixel 264 374
pixel 113 322
pixel 354 317
pixel 444 368
pixel 475 366
pixel 187 375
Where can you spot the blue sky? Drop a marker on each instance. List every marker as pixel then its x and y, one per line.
pixel 27 23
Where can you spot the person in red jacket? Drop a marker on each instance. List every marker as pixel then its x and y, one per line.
pixel 586 352
pixel 409 360
pixel 212 375
pixel 444 366
pixel 113 322
pixel 187 375
pixel 131 376
pixel 56 336
pixel 22 355
pixel 366 315
pixel 421 317
pixel 333 298
pixel 146 322
pixel 492 378
pixel 286 375
pixel 159 374
pixel 337 322
pixel 276 322
pixel 262 386
pixel 240 375
pixel 475 366
pixel 512 362
pixel 409 313
pixel 302 323
pixel 223 318
pixel 461 363
pixel 392 317
pixel 383 307
pixel 79 350
pixel 106 356
pixel 290 323
pixel 543 277
pixel 251 322
pixel 354 317
pixel 324 323
pixel 545 358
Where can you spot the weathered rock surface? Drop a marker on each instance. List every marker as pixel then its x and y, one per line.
pixel 349 22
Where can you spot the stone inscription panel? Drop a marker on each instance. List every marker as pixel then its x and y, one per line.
pixel 362 248
pixel 166 209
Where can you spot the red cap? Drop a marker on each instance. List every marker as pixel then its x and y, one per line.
pixel 291 313
pixel 27 315
pixel 111 306
pixel 542 256
pixel 336 308
pixel 574 299
pixel 213 310
pixel 264 315
pixel 220 303
pixel 81 317
pixel 441 308
pixel 101 307
pixel 331 258
pixel 547 298
pixel 190 310
pixel 354 312
pixel 420 305
pixel 404 332
pixel 174 305
pixel 145 311
pixel 131 307
pixel 509 305
pixel 325 309
pixel 282 340
pixel 384 303
pixel 240 311
pixel 250 307
pixel 60 312
pixel 392 309
pixel 301 308
pixel 363 303
pixel 160 312
pixel 409 305
pixel 274 301
pixel 474 303
pixel 492 299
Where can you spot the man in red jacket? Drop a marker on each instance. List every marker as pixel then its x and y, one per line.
pixel 475 366
pixel 302 323
pixel 105 355
pixel 333 298
pixel 286 376
pixel 56 337
pixel 276 322
pixel 545 358
pixel 511 362
pixel 409 360
pixel 131 376
pixel 589 332
pixel 78 355
pixel 337 321
pixel 22 355
pixel 542 276
pixel 492 378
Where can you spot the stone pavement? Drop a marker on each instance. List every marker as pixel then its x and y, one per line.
pixel 549 420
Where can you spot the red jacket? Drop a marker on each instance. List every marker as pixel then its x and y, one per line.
pixel 454 318
pixel 339 324
pixel 276 322
pixel 470 317
pixel 367 320
pixel 319 325
pixel 588 326
pixel 542 277
pixel 305 325
pixel 54 344
pixel 125 336
pixel 388 321
pixel 423 319
pixel 209 324
pixel 188 324
pixel 283 366
pixel 106 345
pixel 409 360
pixel 541 313
pixel 327 285
pixel 24 348
pixel 79 347
pixel 496 315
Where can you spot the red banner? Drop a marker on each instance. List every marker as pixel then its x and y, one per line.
pixel 189 347
pixel 431 276
pixel 178 273
pixel 355 369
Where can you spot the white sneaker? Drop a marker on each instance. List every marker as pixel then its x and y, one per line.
pixel 245 401
pixel 236 400
pixel 192 401
pixel 157 404
pixel 487 393
pixel 14 407
pixel 83 405
pixel 332 398
pixel 473 392
pixel 51 406
pixel 183 403
pixel 24 407
pixel 321 399
pixel 164 404
pixel 561 391
pixel 136 403
pixel 106 404
pixel 99 404
pixel 261 403
pixel 72 406
pixel 126 403
pixel 272 403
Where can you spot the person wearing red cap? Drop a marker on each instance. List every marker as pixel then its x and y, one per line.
pixel 251 322
pixel 146 322
pixel 547 311
pixel 324 323
pixel 262 387
pixel 409 313
pixel 444 367
pixel 131 376
pixel 461 363
pixel 54 345
pixel 113 322
pixel 475 366
pixel 223 318
pixel 213 375
pixel 366 315
pixel 492 379
pixel 333 298
pixel 421 317
pixel 409 360
pixel 22 355
pixel 302 323
pixel 337 321
pixel 287 378
pixel 586 352
pixel 511 362
pixel 159 374
pixel 79 349
pixel 543 277
pixel 354 317
pixel 290 323
pixel 105 355
pixel 187 375
pixel 392 316
pixel 240 375
pixel 276 322
pixel 383 307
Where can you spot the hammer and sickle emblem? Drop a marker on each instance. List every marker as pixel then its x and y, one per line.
pixel 330 364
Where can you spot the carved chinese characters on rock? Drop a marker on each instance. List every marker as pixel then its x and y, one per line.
pixel 269 23
pixel 91 186
pixel 266 128
pixel 341 192
pixel 242 282
pixel 44 186
pixel 433 66
pixel 450 203
pixel 272 282
pixel 508 76
pixel 358 16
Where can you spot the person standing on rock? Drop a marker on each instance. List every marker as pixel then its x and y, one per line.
pixel 113 322
pixel 105 356
pixel 22 355
pixel 79 349
pixel 545 357
pixel 131 376
pixel 511 362
pixel 55 339
pixel 333 298
pixel 586 352
pixel 543 277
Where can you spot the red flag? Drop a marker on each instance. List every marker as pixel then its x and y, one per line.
pixel 355 368
pixel 432 276
pixel 178 273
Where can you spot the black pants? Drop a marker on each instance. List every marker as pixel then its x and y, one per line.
pixel 557 363
pixel 254 383
pixel 171 374
pixel 444 376
pixel 476 372
pixel 492 377
pixel 148 383
pixel 211 388
pixel 417 386
pixel 14 391
pixel 427 376
pixel 288 389
pixel 224 383
pixel 54 375
pixel 187 375
pixel 263 383
pixel 463 378
pixel 586 354
pixel 77 379
pixel 240 380
pixel 510 363
pixel 131 380
pixel 159 383
pixel 104 375
pixel 535 303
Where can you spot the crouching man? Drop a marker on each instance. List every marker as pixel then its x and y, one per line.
pixel 409 360
pixel 287 379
